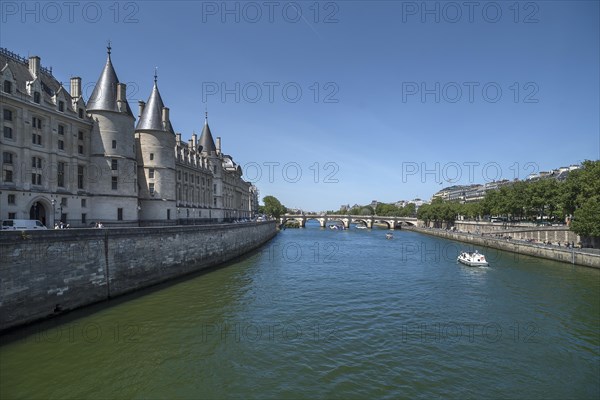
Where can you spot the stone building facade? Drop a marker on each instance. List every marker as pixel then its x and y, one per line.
pixel 80 163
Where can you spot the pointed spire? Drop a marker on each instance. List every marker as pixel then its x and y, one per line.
pixel 206 140
pixel 104 96
pixel 155 74
pixel 151 118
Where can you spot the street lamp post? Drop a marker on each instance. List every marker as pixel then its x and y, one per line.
pixel 53 211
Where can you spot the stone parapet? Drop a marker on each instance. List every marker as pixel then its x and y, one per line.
pixel 45 273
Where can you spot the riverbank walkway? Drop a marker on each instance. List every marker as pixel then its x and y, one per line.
pixel 503 241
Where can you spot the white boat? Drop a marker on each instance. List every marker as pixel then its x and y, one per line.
pixel 337 227
pixel 361 227
pixel 472 259
pixel 389 235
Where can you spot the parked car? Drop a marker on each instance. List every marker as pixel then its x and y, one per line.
pixel 22 225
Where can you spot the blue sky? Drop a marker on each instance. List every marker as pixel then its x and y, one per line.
pixel 328 103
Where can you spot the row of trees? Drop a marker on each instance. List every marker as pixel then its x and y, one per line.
pixel 578 198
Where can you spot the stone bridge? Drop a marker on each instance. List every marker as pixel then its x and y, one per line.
pixel 346 220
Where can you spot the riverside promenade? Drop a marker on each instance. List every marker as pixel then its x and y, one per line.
pixel 578 256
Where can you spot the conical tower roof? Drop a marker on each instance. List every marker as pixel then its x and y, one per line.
pixel 151 118
pixel 206 140
pixel 104 96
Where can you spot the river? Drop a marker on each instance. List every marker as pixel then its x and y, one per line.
pixel 329 314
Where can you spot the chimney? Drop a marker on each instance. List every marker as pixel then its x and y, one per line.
pixel 75 87
pixel 141 105
pixel 34 65
pixel 178 137
pixel 165 117
pixel 195 139
pixel 121 92
pixel 218 145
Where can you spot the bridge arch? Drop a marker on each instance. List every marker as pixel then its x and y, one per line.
pixel 321 221
pixel 285 219
pixel 364 221
pixel 344 220
pixel 390 224
pixel 367 222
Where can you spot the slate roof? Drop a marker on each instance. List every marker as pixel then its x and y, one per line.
pixel 104 96
pixel 206 140
pixel 151 118
pixel 19 67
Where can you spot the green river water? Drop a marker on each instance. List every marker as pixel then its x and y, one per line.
pixel 329 314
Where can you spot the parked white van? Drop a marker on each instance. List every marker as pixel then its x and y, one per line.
pixel 21 225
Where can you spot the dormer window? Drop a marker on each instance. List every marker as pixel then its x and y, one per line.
pixel 37 97
pixel 7 87
pixel 61 106
pixel 81 113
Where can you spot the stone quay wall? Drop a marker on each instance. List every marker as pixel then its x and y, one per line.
pixel 552 234
pixel 44 273
pixel 568 255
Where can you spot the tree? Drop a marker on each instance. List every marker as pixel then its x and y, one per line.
pixel 408 210
pixel 273 207
pixel 384 209
pixel 366 210
pixel 424 213
pixel 353 211
pixel 581 194
pixel 516 204
pixel 586 220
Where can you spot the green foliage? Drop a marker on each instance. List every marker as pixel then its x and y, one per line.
pixel 543 199
pixel 582 194
pixel 273 207
pixel 366 210
pixel 586 221
pixel 439 211
pixel 384 209
pixel 409 210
